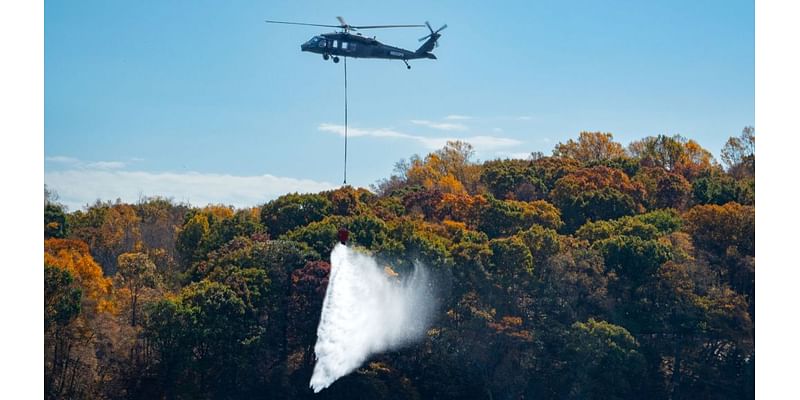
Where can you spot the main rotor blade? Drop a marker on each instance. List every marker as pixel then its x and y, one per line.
pixel 300 23
pixel 344 25
pixel 386 26
pixel 441 29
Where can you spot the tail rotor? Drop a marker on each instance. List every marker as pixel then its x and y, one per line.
pixel 434 34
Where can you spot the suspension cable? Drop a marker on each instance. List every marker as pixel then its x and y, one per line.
pixel 345 120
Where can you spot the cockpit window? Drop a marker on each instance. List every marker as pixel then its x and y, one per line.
pixel 317 41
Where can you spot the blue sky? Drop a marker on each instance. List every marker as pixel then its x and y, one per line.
pixel 209 104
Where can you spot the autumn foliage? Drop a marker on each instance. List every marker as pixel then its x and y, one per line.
pixel 73 256
pixel 603 271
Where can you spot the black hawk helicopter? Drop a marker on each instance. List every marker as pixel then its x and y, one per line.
pixel 344 44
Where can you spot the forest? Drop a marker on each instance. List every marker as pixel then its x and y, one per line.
pixel 601 271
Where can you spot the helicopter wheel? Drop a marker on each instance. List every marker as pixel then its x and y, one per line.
pixel 408 66
pixel 335 59
pixel 325 57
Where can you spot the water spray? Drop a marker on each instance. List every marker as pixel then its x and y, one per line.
pixel 367 311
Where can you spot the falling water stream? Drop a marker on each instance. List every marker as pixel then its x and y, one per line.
pixel 367 310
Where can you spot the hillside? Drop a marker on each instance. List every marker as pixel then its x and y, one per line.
pixel 602 271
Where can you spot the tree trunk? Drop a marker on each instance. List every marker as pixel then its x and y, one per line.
pixel 134 300
pixel 676 368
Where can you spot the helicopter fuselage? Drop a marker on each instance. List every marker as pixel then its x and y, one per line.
pixel 343 44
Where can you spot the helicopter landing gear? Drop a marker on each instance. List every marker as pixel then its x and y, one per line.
pixel 335 59
pixel 407 66
pixel 325 57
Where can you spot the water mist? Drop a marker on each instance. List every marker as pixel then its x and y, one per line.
pixel 366 311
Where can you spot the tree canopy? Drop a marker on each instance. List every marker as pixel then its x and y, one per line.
pixel 603 271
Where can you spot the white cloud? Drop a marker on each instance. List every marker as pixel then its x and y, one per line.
pixel 76 163
pixel 514 155
pixel 62 160
pixel 481 143
pixel 354 132
pixel 442 126
pixel 105 165
pixel 78 187
pixel 457 117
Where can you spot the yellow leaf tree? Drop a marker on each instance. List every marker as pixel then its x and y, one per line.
pixel 74 257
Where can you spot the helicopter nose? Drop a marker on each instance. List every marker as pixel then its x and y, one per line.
pixel 303 47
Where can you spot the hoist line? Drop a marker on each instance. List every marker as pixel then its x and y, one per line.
pixel 345 121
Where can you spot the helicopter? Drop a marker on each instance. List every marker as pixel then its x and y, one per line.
pixel 345 44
